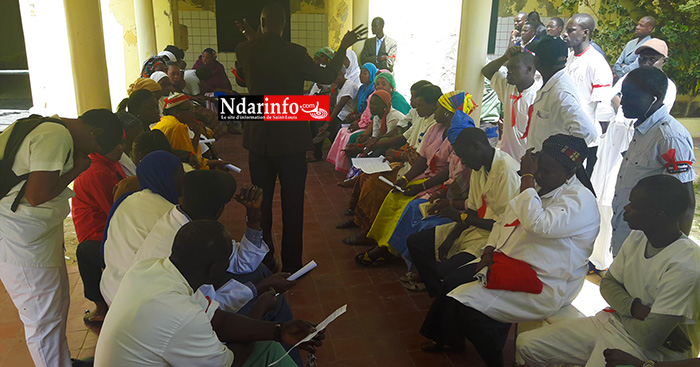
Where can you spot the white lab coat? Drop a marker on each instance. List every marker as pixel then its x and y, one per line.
pixel 557 109
pixel 555 236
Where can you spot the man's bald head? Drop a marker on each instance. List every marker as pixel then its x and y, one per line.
pixel 273 19
pixel 649 20
pixel 645 26
pixel 585 21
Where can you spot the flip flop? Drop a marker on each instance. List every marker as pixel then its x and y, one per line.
pixel 363 260
pixel 413 285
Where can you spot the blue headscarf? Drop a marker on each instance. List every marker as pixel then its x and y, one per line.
pixel 460 121
pixel 365 90
pixel 155 172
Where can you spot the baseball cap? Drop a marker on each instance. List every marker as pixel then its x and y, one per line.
pixel 655 44
pixel 550 50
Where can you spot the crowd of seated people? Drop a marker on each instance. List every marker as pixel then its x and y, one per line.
pixel 498 229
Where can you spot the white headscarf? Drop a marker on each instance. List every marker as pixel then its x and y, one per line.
pixel 352 72
pixel 158 75
pixel 168 54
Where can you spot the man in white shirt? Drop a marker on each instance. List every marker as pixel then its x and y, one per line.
pixel 591 75
pixel 557 108
pixel 157 318
pixel 517 89
pixel 615 141
pixel 32 266
pixel 627 60
pixel 660 145
pixel 653 288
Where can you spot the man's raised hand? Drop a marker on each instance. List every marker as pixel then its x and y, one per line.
pixel 360 32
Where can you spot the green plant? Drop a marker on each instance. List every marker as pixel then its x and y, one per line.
pixel 678 25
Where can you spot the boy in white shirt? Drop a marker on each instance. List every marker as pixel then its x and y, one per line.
pixel 652 287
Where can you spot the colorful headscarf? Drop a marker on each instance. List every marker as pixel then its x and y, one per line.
pixel 175 99
pixel 365 90
pixel 570 151
pixel 386 98
pixel 150 65
pixel 155 172
pixel 387 76
pixel 144 83
pixel 325 51
pixel 460 121
pixel 457 101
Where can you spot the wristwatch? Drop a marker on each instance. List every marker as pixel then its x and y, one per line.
pixel 649 363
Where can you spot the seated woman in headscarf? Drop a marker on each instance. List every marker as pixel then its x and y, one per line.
pixel 536 259
pixel 343 92
pixel 424 178
pixel 369 192
pixel 183 131
pixel 147 84
pixel 336 155
pixel 219 80
pixel 153 64
pixel 365 141
pixel 352 68
pixel 133 215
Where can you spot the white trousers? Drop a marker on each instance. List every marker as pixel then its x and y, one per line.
pixel 578 341
pixel 41 296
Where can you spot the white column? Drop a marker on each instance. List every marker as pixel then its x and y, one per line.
pixel 51 86
pixel 87 51
pixel 360 15
pixel 145 29
pixel 472 48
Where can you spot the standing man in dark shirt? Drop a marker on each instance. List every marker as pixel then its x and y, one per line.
pixel 272 66
pixel 380 50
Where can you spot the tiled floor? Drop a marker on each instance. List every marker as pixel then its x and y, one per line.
pixel 380 327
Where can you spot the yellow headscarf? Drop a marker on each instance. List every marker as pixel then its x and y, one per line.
pixel 144 83
pixel 457 100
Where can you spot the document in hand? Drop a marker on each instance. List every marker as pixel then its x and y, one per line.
pixel 371 165
pixel 321 326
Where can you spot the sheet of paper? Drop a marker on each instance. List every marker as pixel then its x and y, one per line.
pixel 424 207
pixel 371 165
pixel 322 325
pixel 307 268
pixel 386 181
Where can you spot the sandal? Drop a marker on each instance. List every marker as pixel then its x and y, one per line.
pixel 363 260
pixel 414 285
pixel 431 346
pixel 87 319
pixel 349 212
pixel 350 223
